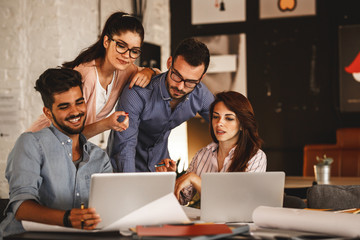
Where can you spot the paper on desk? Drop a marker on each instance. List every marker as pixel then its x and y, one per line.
pixel 163 210
pixel 40 227
pixel 339 224
pixel 192 213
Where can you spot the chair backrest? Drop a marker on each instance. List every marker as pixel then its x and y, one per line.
pixel 293 202
pixel 346 154
pixel 348 137
pixel 333 197
pixel 3 204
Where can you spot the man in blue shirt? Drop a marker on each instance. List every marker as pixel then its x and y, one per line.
pixel 170 99
pixel 49 171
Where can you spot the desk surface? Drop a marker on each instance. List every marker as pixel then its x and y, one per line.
pixel 305 182
pixel 63 236
pixel 256 233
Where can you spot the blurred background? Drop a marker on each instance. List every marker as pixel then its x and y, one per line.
pixel 287 56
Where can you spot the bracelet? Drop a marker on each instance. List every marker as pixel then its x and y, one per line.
pixel 66 220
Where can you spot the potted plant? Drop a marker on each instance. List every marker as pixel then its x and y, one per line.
pixel 324 160
pixel 322 169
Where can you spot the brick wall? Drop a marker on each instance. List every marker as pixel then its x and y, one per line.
pixel 38 34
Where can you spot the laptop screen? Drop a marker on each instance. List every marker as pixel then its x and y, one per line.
pixel 115 195
pixel 232 196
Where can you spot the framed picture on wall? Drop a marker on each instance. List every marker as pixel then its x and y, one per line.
pixel 349 68
pixel 227 69
pixel 286 8
pixel 217 11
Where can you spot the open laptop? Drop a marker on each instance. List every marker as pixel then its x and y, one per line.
pixel 115 195
pixel 232 196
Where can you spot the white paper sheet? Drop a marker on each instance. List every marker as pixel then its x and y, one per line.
pixel 192 213
pixel 340 224
pixel 163 210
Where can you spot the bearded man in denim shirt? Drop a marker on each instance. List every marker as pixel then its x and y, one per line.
pixel 169 100
pixel 49 171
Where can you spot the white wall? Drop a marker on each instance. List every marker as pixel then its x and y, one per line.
pixel 38 34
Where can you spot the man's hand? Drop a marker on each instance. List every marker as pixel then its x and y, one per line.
pixel 88 216
pixel 30 210
pixel 166 165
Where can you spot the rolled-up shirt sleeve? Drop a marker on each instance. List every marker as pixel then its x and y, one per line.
pixel 187 193
pixel 23 171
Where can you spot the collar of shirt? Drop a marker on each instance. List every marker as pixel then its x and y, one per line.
pixel 163 90
pixel 213 147
pixel 64 139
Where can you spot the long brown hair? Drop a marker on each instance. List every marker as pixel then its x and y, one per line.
pixel 249 141
pixel 117 23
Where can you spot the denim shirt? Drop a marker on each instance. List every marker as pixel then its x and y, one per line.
pixel 40 168
pixel 145 142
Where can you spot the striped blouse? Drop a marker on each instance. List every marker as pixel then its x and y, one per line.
pixel 205 160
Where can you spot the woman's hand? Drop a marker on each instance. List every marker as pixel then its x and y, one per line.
pixel 142 78
pixel 166 165
pixel 186 180
pixel 88 216
pixel 108 123
pixel 112 122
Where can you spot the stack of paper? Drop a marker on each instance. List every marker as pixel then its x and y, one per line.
pixel 339 224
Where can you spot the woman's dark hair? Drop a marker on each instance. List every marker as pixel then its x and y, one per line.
pixel 117 23
pixel 249 141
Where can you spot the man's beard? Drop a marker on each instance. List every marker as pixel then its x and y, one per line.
pixel 168 87
pixel 68 129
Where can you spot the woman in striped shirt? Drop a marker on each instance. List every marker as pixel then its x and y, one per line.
pixel 236 146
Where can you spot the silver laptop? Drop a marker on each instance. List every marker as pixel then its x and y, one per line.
pixel 115 195
pixel 232 196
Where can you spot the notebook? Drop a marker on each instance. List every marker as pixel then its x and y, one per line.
pixel 115 195
pixel 232 196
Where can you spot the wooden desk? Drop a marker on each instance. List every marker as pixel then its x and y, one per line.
pixel 258 232
pixel 305 182
pixel 63 236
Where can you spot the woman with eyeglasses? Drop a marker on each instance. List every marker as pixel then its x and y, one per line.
pixel 107 67
pixel 236 146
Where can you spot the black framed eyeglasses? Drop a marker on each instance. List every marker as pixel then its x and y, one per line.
pixel 122 47
pixel 176 77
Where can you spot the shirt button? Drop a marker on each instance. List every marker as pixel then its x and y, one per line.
pixel 77 194
pixel 68 140
pixel 62 143
pixel 70 154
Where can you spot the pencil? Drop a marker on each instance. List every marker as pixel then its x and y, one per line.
pixel 82 220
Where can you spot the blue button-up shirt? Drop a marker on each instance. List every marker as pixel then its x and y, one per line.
pixel 40 168
pixel 145 142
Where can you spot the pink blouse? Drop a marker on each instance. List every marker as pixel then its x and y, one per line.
pixel 88 73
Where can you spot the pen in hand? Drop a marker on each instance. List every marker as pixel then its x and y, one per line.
pixel 159 165
pixel 163 163
pixel 82 220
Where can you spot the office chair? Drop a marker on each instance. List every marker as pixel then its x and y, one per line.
pixel 333 197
